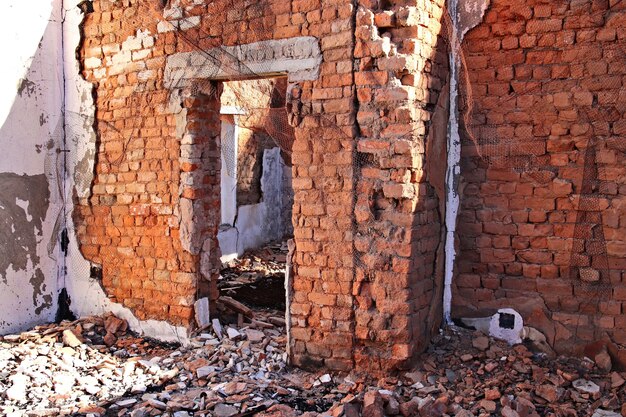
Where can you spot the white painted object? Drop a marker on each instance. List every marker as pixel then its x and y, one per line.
pixel 585 386
pixel 507 324
pixel 229 138
pixel 217 328
pixel 261 223
pixel 201 311
pixel 463 19
pixel 232 333
pixel 605 413
pixel 453 169
pixel 31 122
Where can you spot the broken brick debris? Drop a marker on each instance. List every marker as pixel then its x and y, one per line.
pixel 245 373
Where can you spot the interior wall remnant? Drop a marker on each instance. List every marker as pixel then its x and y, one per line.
pixel 31 123
pixel 263 222
pixel 251 146
pixel 228 173
pixel 254 170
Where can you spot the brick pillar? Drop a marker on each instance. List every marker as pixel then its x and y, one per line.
pixel 199 203
pixel 322 306
pixel 397 211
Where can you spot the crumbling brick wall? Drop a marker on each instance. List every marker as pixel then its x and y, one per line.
pixel 402 59
pixel 365 286
pixel 368 158
pixel 147 177
pixel 542 226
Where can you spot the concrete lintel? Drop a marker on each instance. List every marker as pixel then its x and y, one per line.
pixel 298 57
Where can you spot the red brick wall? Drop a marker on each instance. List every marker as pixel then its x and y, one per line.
pixel 366 279
pixel 132 223
pixel 548 89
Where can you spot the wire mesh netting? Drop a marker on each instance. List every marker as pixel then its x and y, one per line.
pixel 530 115
pixel 519 142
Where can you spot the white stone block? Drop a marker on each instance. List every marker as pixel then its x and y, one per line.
pixel 507 324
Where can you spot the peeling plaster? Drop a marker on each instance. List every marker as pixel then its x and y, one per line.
pixel 39 288
pixel 24 202
pixel 258 224
pixel 470 14
pixel 26 87
pixel 30 113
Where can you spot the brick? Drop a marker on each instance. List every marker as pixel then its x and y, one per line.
pixel 375 78
pixel 518 211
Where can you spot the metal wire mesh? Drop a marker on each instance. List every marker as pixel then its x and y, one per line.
pixel 520 147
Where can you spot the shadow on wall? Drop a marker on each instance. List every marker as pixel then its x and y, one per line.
pixel 400 202
pixel 31 134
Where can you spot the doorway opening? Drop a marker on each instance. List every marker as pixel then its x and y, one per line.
pixel 256 193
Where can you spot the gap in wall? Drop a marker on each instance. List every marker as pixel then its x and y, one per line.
pixel 256 192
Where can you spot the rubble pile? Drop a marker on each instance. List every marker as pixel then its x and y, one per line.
pixel 235 371
pixel 257 277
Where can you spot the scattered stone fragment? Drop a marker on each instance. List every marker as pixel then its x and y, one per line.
pixel 488 405
pixel 204 371
pixel 11 338
pixel 393 407
pixel 246 375
pixel 255 336
pixel 509 412
pixel 201 313
pixel 586 386
pixel 481 343
pixel 157 404
pixel 17 391
pixel 492 394
pixel 410 408
pixel 616 380
pixel 232 333
pixel 70 339
pixel 217 328
pixel 373 404
pixel 603 360
pixel 223 410
pixel 605 413
pixel 325 379
pixel 126 403
pixel 44 412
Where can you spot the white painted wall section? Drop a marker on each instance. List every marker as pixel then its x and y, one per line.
pixel 31 81
pixel 465 14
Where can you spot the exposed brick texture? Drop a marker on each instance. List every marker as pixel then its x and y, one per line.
pixel 402 66
pixel 368 163
pixel 546 79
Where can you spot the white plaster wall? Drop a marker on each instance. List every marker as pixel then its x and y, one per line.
pixel 258 224
pixel 31 82
pixel 228 172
